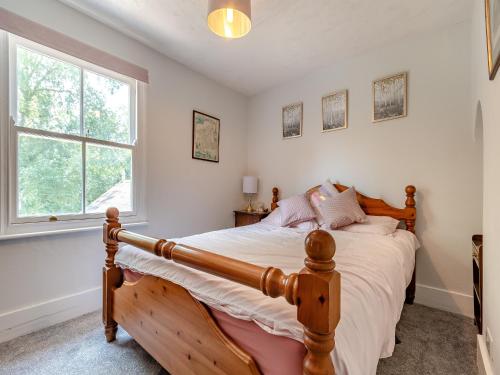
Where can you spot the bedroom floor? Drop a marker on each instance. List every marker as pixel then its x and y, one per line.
pixel 433 342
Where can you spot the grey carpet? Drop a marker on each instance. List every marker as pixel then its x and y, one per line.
pixel 433 342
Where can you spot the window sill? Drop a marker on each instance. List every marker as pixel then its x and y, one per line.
pixel 14 236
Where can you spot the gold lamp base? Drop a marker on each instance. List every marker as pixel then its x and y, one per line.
pixel 249 208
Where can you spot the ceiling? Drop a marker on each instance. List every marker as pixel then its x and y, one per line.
pixel 288 39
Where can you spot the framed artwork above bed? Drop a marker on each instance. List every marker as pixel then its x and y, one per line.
pixel 292 120
pixel 334 111
pixel 492 9
pixel 206 135
pixel 390 97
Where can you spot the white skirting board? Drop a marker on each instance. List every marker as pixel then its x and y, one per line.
pixel 483 359
pixel 447 300
pixel 33 318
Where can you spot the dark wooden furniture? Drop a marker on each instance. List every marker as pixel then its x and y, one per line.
pixel 179 332
pixel 242 218
pixel 477 279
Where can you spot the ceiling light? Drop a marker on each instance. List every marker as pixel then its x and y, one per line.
pixel 229 18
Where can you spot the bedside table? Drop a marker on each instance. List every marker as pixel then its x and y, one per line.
pixel 242 218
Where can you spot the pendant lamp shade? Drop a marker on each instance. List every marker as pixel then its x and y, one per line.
pixel 229 18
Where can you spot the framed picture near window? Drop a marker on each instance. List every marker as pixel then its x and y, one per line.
pixel 390 97
pixel 206 135
pixel 292 120
pixel 334 109
pixel 492 8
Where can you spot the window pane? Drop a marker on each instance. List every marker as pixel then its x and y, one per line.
pixel 106 108
pixel 48 93
pixel 109 172
pixel 49 176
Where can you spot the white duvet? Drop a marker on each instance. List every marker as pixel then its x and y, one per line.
pixel 375 271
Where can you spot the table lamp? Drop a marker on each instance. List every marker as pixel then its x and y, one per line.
pixel 250 184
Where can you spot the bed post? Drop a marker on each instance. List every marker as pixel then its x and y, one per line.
pixel 410 226
pixel 318 302
pixel 274 203
pixel 410 206
pixel 111 275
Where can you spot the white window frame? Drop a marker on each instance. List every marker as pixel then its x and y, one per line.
pixel 10 223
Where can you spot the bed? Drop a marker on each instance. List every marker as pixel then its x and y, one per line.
pixel 209 312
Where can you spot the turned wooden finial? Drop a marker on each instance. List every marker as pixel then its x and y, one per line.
pixel 274 203
pixel 410 196
pixel 410 206
pixel 320 249
pixel 112 214
pixel 318 302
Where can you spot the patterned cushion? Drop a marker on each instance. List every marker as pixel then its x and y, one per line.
pixel 295 210
pixel 341 210
pixel 326 190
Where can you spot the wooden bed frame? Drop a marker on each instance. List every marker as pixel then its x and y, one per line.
pixel 179 331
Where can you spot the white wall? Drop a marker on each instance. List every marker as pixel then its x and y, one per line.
pixel 433 148
pixel 40 276
pixel 486 96
pixel 53 278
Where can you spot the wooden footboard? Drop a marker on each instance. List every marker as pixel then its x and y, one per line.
pixel 164 318
pixel 179 332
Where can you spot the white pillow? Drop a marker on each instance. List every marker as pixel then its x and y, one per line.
pixel 274 218
pixel 295 210
pixel 306 226
pixel 341 210
pixel 383 225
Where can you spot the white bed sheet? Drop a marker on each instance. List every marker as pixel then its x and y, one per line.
pixel 375 271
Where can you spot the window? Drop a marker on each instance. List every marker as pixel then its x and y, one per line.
pixel 72 149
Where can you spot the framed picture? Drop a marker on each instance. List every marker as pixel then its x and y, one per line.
pixel 206 134
pixel 292 120
pixel 390 97
pixel 334 107
pixel 492 8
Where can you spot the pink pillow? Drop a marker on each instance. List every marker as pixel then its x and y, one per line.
pixel 326 190
pixel 383 225
pixel 329 189
pixel 295 210
pixel 316 197
pixel 341 210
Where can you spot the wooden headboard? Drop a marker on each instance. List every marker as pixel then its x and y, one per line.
pixel 375 207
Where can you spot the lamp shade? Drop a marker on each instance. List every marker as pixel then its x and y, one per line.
pixel 250 184
pixel 229 18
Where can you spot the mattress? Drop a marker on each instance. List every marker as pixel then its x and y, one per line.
pixel 375 271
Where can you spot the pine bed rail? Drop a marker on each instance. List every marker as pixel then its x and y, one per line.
pixel 315 290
